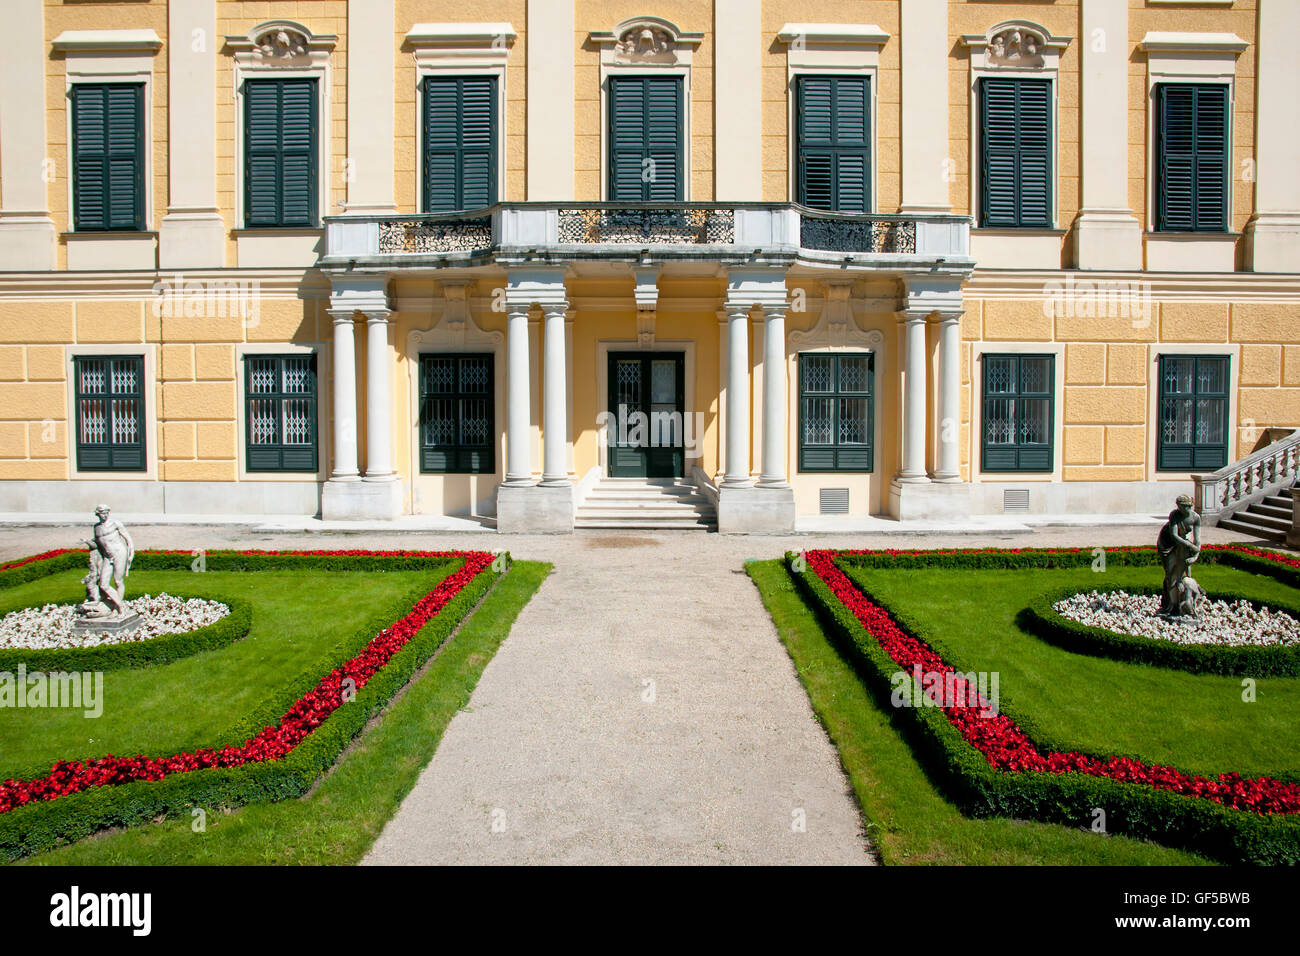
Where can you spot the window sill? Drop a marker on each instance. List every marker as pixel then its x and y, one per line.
pixel 275 247
pixel 111 250
pixel 1017 248
pixel 1191 251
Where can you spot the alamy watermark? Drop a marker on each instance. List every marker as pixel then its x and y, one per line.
pixel 179 297
pixel 79 690
pixel 637 429
pixel 978 690
pixel 1100 299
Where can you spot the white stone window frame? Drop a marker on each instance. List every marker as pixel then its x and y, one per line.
pixel 1199 58
pixel 978 351
pixel 94 58
pixel 831 49
pixel 676 62
pixel 1015 247
pixel 149 389
pixel 687 348
pixel 460 49
pixel 324 412
pixel 314 64
pixel 1155 351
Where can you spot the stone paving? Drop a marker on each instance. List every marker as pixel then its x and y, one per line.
pixel 642 710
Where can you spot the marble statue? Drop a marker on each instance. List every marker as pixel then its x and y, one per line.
pixel 1179 544
pixel 110 553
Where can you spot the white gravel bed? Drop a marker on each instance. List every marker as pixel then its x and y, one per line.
pixel 44 628
pixel 1225 623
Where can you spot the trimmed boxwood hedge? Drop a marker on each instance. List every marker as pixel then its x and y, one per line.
pixel 979 789
pixel 41 826
pixel 1044 621
pixel 159 650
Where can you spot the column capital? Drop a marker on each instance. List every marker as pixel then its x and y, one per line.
pixel 376 315
pixel 552 307
pixel 365 294
pixel 943 317
pixel 538 285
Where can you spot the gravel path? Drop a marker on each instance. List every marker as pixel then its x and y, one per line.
pixel 642 710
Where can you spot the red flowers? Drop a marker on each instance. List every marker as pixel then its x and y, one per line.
pixel 1007 747
pixel 45 555
pixel 271 743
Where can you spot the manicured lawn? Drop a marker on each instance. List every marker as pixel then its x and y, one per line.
pixel 299 618
pixel 908 819
pixel 340 819
pixel 1069 701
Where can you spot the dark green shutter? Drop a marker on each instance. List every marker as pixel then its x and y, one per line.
pixel 645 139
pixel 1019 414
pixel 110 412
pixel 108 156
pixel 280 143
pixel 460 142
pixel 457 414
pixel 1192 129
pixel 832 130
pixel 1015 153
pixel 1193 413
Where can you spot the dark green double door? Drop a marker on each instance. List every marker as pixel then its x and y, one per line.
pixel 647 404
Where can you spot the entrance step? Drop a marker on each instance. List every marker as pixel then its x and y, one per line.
pixel 647 504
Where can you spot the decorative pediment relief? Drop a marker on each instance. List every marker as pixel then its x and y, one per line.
pixel 455 328
pixel 836 327
pixel 1016 44
pixel 280 43
pixel 647 40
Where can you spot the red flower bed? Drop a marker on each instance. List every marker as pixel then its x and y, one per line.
pixel 43 556
pixel 271 743
pixel 1007 747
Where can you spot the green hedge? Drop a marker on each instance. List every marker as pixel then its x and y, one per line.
pixel 1044 621
pixel 1070 799
pixel 159 650
pixel 42 826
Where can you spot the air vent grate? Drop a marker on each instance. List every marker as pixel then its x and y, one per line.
pixel 1015 499
pixel 835 501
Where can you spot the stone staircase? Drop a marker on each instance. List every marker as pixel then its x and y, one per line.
pixel 1268 518
pixel 651 504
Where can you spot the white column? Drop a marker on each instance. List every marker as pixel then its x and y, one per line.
pixel 192 235
pixel 948 467
pixel 755 393
pixel 519 464
pixel 345 397
pixel 722 395
pixel 775 403
pixel 1107 234
pixel 737 473
pixel 379 400
pixel 27 238
pixel 550 77
pixel 912 325
pixel 371 59
pixel 923 33
pixel 555 421
pixel 1273 233
pixel 737 100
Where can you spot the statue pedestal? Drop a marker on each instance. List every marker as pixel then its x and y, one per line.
pixel 107 625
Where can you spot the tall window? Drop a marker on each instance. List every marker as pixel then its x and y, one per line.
pixel 460 142
pixel 280 158
pixel 836 411
pixel 280 392
pixel 832 143
pixel 1018 399
pixel 1193 412
pixel 1015 153
pixel 457 423
pixel 110 413
pixel 645 139
pixel 1192 157
pixel 108 156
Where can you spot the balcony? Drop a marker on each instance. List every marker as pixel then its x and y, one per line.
pixel 729 234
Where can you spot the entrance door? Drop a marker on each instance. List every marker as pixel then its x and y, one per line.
pixel 647 404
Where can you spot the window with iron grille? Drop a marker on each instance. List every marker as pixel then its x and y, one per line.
pixel 1192 145
pixel 832 143
pixel 280 418
pixel 836 411
pixel 110 412
pixel 1015 153
pixel 457 421
pixel 1193 413
pixel 1018 402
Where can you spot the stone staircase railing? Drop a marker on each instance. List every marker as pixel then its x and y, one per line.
pixel 1242 483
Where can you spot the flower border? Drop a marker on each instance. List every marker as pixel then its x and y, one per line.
pixel 994 767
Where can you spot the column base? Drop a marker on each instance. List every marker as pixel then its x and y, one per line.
pixel 28 243
pixel 911 501
pixel 750 509
pixel 344 500
pixel 1273 242
pixel 535 509
pixel 192 240
pixel 1107 240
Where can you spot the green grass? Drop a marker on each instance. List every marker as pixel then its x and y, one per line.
pixel 1070 701
pixel 298 617
pixel 908 820
pixel 340 819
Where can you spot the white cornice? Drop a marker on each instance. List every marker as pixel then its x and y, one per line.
pixel 461 35
pixel 834 34
pixel 107 41
pixel 1155 42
